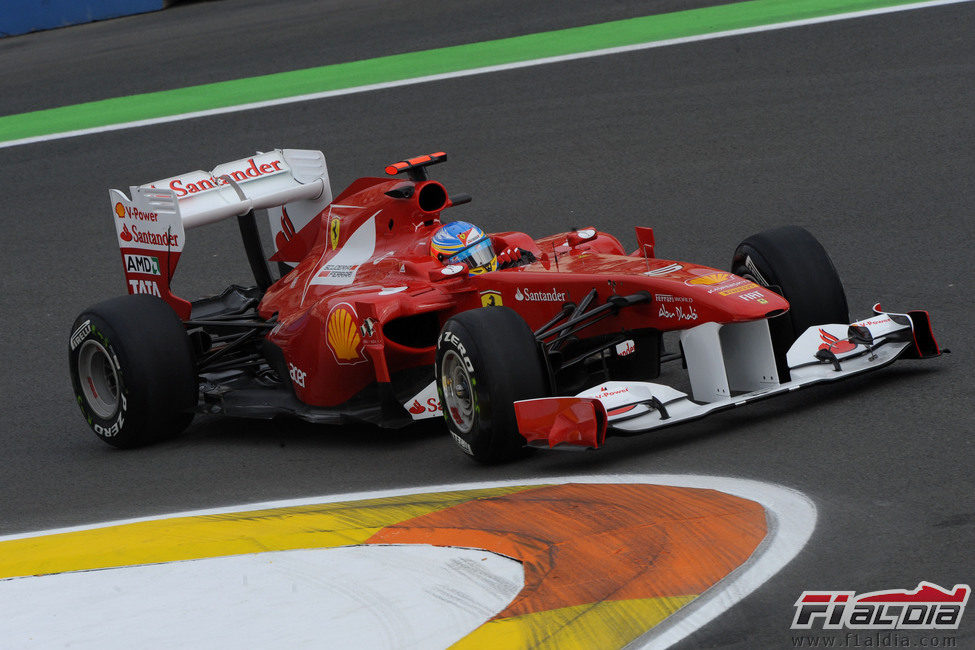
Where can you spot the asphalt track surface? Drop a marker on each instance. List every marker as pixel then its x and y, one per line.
pixel 861 130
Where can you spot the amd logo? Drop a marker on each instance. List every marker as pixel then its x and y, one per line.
pixel 142 264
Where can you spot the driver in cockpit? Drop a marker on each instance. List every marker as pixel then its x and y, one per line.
pixel 460 242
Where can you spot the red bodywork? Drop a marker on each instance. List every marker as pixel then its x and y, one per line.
pixel 367 299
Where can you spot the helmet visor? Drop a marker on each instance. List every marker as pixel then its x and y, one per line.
pixel 475 255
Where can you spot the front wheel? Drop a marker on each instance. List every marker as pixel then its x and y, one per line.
pixel 791 262
pixel 132 370
pixel 486 360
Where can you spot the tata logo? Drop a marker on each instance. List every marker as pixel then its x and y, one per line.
pixel 144 286
pixel 142 264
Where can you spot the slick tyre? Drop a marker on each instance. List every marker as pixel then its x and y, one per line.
pixel 791 262
pixel 132 370
pixel 486 360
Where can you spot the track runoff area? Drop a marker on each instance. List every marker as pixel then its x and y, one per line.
pixel 322 82
pixel 643 561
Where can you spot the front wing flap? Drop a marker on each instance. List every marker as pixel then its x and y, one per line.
pixel 823 353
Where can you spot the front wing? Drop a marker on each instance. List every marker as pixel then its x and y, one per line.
pixel 728 365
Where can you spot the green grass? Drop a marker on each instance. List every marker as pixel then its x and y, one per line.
pixel 646 29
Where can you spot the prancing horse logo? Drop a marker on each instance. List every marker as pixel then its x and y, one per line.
pixel 333 232
pixel 491 299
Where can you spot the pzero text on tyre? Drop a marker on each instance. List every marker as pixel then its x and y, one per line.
pixel 486 360
pixel 790 261
pixel 132 370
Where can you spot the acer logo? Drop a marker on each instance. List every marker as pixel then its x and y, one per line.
pixel 297 374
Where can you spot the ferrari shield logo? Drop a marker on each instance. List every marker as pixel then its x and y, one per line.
pixel 491 299
pixel 333 232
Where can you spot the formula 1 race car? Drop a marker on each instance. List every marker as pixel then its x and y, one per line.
pixel 556 345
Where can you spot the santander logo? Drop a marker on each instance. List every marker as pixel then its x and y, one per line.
pixel 250 171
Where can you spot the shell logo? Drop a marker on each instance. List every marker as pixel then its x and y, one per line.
pixel 120 210
pixel 342 334
pixel 711 278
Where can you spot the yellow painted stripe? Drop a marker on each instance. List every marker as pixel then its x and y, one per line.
pixel 607 624
pixel 202 536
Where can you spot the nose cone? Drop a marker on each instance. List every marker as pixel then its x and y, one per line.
pixel 715 295
pixel 737 297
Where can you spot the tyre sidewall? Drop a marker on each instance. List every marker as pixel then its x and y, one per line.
pixel 794 262
pixel 453 338
pixel 790 261
pixel 153 363
pixel 493 436
pixel 115 429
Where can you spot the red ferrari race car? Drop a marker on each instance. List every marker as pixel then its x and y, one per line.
pixel 388 311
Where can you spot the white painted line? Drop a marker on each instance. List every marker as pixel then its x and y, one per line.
pixel 477 71
pixel 791 518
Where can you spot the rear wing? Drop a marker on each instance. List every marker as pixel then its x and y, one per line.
pixel 292 184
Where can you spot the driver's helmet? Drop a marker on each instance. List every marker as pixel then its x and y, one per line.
pixel 460 242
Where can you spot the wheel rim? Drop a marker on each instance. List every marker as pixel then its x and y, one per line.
pixel 457 391
pixel 98 379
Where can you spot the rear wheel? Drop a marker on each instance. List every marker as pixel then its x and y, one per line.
pixel 791 262
pixel 486 360
pixel 132 370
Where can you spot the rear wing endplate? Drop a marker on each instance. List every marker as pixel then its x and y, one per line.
pixel 151 225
